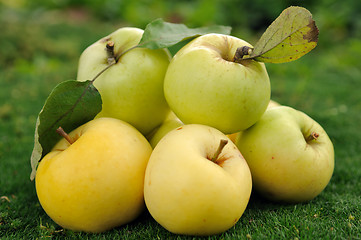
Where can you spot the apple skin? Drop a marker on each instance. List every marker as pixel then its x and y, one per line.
pixel 132 89
pixel 273 104
pixel 171 122
pixel 96 183
pixel 284 166
pixel 189 194
pixel 166 127
pixel 204 86
pixel 233 136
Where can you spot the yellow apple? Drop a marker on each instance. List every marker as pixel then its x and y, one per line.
pixel 192 186
pixel 95 183
pixel 273 104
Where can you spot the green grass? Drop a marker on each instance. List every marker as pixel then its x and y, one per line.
pixel 36 54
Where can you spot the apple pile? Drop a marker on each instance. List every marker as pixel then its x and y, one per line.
pixel 185 137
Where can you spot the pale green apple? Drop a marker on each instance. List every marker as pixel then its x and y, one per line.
pixel 171 122
pixel 166 127
pixel 233 136
pixel 204 85
pixel 188 193
pixel 132 89
pixel 96 183
pixel 290 155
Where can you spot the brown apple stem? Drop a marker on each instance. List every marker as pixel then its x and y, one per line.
pixel 222 144
pixel 110 51
pixel 241 52
pixel 312 136
pixel 112 59
pixel 62 133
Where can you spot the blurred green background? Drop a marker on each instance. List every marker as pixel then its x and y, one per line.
pixel 338 21
pixel 40 44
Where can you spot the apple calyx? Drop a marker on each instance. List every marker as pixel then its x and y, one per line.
pixel 222 144
pixel 241 52
pixel 62 133
pixel 312 136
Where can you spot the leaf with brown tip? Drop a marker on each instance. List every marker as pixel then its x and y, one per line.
pixel 292 35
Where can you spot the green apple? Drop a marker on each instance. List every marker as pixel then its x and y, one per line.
pixel 171 122
pixel 131 89
pixel 96 183
pixel 233 136
pixel 290 155
pixel 195 185
pixel 204 85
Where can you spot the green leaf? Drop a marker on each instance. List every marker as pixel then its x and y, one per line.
pixel 70 104
pixel 160 34
pixel 292 35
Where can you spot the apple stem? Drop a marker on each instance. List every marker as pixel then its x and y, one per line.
pixel 222 144
pixel 62 133
pixel 112 59
pixel 241 52
pixel 312 136
pixel 110 51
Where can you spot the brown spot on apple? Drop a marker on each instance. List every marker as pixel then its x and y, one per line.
pixel 179 128
pixel 104 40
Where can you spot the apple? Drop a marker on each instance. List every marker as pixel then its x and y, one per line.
pixel 132 88
pixel 171 122
pixel 204 85
pixel 166 127
pixel 290 155
pixel 196 181
pixel 273 104
pixel 233 136
pixel 96 183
